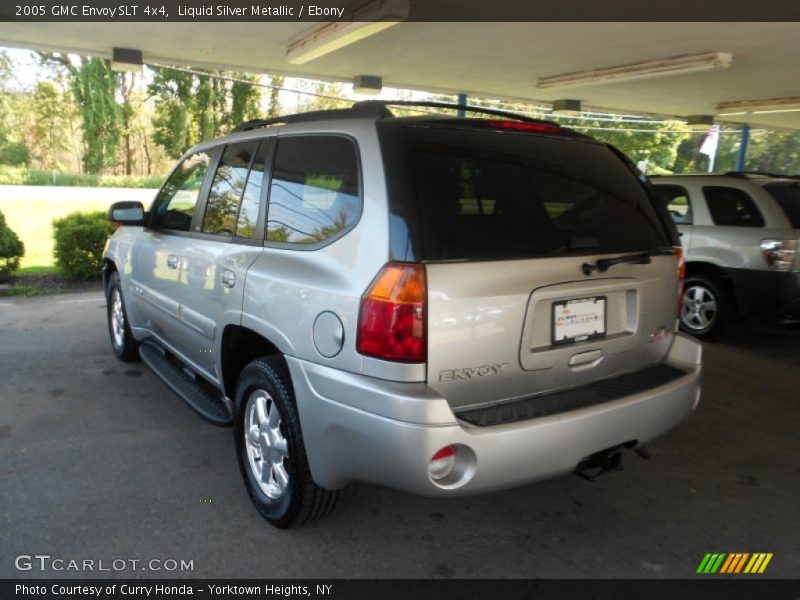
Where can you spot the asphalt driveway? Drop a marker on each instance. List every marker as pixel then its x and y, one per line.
pixel 99 461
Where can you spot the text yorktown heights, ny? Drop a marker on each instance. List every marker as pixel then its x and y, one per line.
pixel 155 590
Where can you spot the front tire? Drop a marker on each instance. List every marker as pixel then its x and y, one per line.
pixel 706 308
pixel 270 448
pixel 125 347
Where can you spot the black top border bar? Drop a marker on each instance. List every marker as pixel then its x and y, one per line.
pixel 161 11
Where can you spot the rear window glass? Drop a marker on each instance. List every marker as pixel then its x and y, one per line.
pixel 490 195
pixel 732 207
pixel 788 197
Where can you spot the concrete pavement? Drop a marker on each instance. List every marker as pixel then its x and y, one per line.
pixel 98 460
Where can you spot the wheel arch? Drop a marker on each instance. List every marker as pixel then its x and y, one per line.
pixel 238 347
pixel 108 267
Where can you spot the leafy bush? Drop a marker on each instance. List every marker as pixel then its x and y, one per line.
pixel 14 153
pixel 10 175
pixel 79 242
pixel 11 249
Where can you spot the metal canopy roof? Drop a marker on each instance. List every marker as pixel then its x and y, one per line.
pixel 501 60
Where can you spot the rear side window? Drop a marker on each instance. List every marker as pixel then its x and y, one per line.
pixel 227 188
pixel 315 192
pixel 491 195
pixel 788 197
pixel 676 199
pixel 176 201
pixel 732 207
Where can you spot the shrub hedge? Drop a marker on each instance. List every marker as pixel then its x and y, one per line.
pixel 79 242
pixel 11 249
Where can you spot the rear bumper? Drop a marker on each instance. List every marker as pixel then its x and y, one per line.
pixel 360 428
pixel 765 293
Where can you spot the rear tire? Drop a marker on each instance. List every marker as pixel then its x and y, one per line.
pixel 706 309
pixel 270 448
pixel 125 347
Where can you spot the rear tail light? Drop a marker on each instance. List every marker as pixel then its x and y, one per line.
pixel 681 265
pixel 392 317
pixel 442 463
pixel 779 254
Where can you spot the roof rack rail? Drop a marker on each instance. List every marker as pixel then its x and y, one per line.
pixel 453 106
pixel 357 110
pixel 379 110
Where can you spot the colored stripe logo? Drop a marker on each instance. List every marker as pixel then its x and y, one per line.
pixel 734 563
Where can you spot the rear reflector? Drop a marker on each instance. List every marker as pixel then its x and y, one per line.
pixel 524 126
pixel 392 316
pixel 681 266
pixel 442 463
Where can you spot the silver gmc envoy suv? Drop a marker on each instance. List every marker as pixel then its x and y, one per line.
pixel 441 305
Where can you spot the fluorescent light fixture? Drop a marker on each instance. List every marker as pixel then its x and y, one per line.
pixel 126 59
pixel 675 65
pixel 368 20
pixel 566 107
pixel 759 107
pixel 367 84
pixel 699 122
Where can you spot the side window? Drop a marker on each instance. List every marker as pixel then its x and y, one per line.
pixel 732 207
pixel 222 208
pixel 314 194
pixel 177 199
pixel 677 202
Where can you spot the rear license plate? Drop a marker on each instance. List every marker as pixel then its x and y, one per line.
pixel 579 320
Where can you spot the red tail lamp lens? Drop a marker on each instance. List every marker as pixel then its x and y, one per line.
pixel 392 317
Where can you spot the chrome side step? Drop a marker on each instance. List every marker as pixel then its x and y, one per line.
pixel 209 406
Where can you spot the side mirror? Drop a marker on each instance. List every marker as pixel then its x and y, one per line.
pixel 127 212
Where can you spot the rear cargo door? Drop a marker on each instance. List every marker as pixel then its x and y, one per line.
pixel 513 226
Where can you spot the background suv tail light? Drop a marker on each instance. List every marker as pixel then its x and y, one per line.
pixel 779 254
pixel 392 316
pixel 681 265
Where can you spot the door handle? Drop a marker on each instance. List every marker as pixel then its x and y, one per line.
pixel 228 278
pixel 172 261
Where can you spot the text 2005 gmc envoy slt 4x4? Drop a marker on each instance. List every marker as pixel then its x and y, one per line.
pixel 441 305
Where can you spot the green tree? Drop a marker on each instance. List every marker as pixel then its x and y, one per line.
pixel 190 107
pixel 50 124
pixel 274 101
pixel 12 151
pixel 774 151
pixel 94 86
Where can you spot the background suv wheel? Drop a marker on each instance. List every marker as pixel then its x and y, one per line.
pixel 706 309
